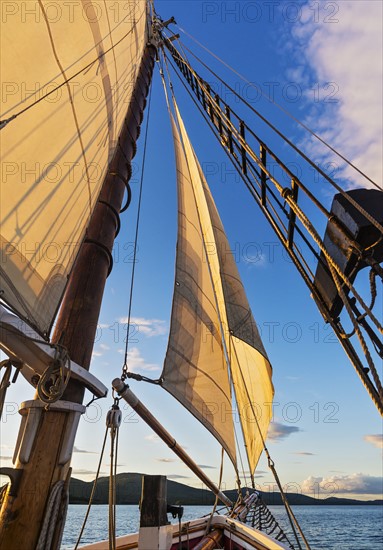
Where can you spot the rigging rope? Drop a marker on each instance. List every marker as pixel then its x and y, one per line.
pixel 93 489
pixel 125 368
pixel 241 461
pixel 331 262
pixel 216 497
pixel 277 105
pixel 290 514
pixel 267 173
pixel 113 422
pixel 358 331
pixel 274 128
pixel 287 195
pixel 349 350
pixel 219 113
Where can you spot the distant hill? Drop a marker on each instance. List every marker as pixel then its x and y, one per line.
pixel 128 491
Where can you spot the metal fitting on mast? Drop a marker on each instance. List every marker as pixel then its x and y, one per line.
pixel 155 33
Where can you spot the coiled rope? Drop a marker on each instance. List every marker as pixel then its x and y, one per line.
pixel 50 518
pixel 55 378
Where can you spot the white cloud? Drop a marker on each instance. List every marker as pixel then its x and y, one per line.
pixel 255 260
pixel 353 483
pixel 347 53
pixel 303 453
pixel 279 431
pixel 77 450
pixel 104 347
pixel 137 363
pixel 152 437
pixel 376 440
pixel 147 327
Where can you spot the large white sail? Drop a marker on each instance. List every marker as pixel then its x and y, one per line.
pixel 55 154
pixel 213 337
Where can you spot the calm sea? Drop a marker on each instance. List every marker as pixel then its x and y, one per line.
pixel 325 527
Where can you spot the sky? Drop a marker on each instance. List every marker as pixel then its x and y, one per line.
pixel 322 61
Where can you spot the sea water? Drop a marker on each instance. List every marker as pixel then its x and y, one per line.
pixel 325 527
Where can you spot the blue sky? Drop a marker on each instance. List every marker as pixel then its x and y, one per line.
pixel 321 62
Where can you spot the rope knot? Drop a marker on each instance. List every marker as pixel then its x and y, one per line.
pixel 286 193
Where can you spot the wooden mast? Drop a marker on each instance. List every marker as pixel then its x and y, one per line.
pixel 45 462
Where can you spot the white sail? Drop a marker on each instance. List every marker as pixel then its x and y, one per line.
pixel 195 369
pixel 250 368
pixel 55 154
pixel 213 336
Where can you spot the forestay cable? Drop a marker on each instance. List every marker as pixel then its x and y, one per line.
pixel 125 368
pixel 93 489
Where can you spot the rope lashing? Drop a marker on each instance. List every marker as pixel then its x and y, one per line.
pixel 54 379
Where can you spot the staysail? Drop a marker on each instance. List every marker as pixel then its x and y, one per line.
pixel 195 369
pixel 250 368
pixel 67 81
pixel 213 336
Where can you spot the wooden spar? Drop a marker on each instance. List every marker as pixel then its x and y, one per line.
pixel 51 433
pixel 126 393
pixel 211 541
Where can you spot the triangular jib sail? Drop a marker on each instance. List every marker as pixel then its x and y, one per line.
pixel 214 342
pixel 195 369
pixel 55 153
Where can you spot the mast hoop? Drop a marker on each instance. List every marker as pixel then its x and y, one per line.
pixel 105 249
pixel 115 213
pixel 128 192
